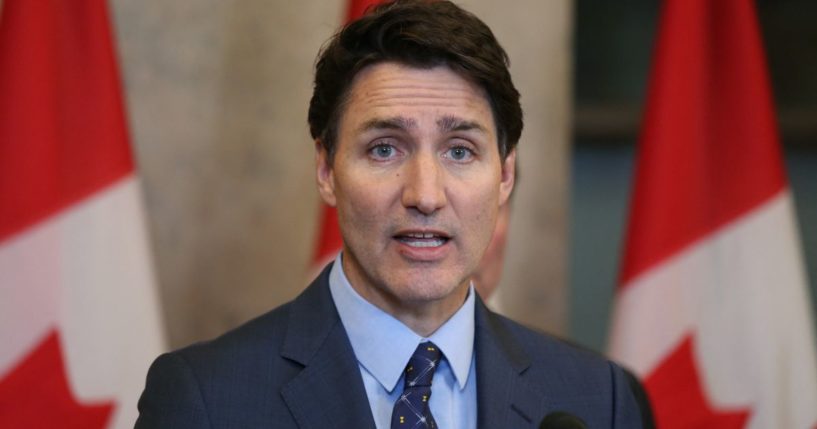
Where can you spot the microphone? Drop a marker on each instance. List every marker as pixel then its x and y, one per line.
pixel 562 420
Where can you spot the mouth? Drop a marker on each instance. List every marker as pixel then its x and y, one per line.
pixel 422 239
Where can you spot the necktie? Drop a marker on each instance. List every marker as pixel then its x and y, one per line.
pixel 411 409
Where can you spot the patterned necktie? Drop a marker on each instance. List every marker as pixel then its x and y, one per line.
pixel 411 409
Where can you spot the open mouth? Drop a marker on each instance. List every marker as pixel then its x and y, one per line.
pixel 422 239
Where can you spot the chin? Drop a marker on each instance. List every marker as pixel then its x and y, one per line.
pixel 428 286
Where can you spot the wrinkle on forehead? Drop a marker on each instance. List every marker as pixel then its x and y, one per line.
pixel 442 96
pixel 396 97
pixel 431 91
pixel 411 83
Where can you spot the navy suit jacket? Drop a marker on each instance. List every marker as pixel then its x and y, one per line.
pixel 295 368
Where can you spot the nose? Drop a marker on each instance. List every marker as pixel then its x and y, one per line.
pixel 423 188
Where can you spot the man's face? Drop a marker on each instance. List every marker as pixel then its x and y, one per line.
pixel 417 180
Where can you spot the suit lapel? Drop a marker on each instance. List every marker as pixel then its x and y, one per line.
pixel 328 392
pixel 504 398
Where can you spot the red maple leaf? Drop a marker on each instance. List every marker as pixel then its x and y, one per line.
pixel 678 399
pixel 35 394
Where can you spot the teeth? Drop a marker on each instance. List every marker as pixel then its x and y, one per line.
pixel 420 235
pixel 425 243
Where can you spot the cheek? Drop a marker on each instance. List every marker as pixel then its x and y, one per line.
pixel 361 204
pixel 479 207
pixel 483 198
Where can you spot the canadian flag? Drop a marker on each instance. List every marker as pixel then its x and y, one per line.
pixel 712 310
pixel 329 241
pixel 79 323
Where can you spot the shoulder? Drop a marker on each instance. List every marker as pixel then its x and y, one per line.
pixel 261 343
pixel 260 336
pixel 542 349
pixel 235 380
pixel 567 377
pixel 194 386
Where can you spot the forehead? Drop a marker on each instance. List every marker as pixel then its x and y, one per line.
pixel 386 90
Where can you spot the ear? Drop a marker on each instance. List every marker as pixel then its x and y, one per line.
pixel 325 175
pixel 508 177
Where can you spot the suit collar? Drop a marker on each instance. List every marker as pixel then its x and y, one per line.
pixel 383 344
pixel 504 397
pixel 328 392
pixel 312 317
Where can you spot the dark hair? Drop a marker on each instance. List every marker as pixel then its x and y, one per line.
pixel 417 33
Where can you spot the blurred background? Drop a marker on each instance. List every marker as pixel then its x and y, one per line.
pixel 217 94
pixel 612 47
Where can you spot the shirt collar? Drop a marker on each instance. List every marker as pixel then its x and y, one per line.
pixel 383 344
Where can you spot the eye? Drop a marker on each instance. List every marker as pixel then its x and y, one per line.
pixel 459 153
pixel 383 151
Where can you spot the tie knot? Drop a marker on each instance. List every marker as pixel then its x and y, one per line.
pixel 423 363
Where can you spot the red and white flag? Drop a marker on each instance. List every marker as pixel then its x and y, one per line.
pixel 712 310
pixel 329 241
pixel 79 321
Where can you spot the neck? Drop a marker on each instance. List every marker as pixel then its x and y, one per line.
pixel 423 315
pixel 425 318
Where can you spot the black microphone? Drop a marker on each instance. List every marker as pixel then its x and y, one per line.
pixel 562 420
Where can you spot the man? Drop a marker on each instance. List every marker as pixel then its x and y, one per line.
pixel 415 120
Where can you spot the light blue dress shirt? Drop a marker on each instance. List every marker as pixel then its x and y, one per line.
pixel 383 346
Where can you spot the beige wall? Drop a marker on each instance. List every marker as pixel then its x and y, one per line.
pixel 217 96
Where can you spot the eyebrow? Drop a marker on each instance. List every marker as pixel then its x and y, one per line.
pixel 449 124
pixel 445 124
pixel 393 123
